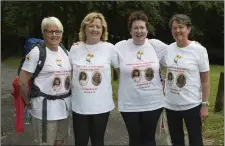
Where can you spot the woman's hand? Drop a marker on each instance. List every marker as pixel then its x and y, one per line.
pixel 204 112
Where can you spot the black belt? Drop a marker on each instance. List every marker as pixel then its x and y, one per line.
pixel 35 92
pixel 44 111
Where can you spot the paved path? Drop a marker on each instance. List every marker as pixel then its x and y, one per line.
pixel 116 133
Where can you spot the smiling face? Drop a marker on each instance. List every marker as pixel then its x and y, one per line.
pixel 93 31
pixel 52 35
pixel 139 31
pixel 180 31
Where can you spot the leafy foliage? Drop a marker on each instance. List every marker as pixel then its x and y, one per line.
pixel 207 17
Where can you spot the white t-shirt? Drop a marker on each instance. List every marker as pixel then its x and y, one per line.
pixel 183 83
pixel 140 88
pixel 54 79
pixel 92 94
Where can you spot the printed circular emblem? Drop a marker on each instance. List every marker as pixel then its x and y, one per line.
pixel 67 83
pixel 170 78
pixel 83 78
pixel 136 75
pixel 56 84
pixel 181 80
pixel 149 74
pixel 96 78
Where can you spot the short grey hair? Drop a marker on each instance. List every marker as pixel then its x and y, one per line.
pixel 181 19
pixel 49 21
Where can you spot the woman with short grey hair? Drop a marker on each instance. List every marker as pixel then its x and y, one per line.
pixel 188 90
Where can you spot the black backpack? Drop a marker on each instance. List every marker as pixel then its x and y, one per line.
pixel 29 45
pixel 34 90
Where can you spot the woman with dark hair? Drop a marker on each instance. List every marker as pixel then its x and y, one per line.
pixel 83 78
pixel 140 103
pixel 187 97
pixel 136 75
pixel 56 83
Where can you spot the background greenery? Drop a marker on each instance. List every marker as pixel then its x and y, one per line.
pixel 207 17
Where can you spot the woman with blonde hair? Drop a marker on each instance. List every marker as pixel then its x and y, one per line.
pixel 92 103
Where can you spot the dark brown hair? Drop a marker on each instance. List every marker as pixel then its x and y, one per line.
pixel 138 15
pixel 181 19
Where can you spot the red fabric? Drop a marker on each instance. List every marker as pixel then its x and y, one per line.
pixel 19 106
pixel 162 124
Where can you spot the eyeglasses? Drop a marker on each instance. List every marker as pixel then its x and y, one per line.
pixel 51 32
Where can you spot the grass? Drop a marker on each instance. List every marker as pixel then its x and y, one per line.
pixel 12 62
pixel 213 127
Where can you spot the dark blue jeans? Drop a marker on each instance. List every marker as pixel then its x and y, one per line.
pixel 93 126
pixel 141 127
pixel 193 123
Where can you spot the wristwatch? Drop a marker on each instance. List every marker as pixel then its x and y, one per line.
pixel 205 103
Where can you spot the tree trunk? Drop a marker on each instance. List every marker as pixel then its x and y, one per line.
pixel 220 94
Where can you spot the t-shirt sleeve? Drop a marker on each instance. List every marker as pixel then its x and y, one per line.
pixel 203 63
pixel 31 60
pixel 160 49
pixel 72 52
pixel 115 58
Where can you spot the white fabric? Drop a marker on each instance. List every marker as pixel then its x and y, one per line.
pixel 184 92
pixel 162 134
pixel 56 65
pixel 139 93
pixel 93 95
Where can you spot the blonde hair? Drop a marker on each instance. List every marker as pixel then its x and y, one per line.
pixel 49 21
pixel 89 19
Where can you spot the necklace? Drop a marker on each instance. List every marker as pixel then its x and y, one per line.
pixel 94 49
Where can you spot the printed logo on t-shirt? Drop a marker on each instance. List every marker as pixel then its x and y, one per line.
pixel 177 58
pixel 149 74
pixel 27 59
pixel 136 75
pixel 139 54
pixel 56 84
pixel 67 82
pixel 96 78
pixel 88 58
pixel 181 80
pixel 83 78
pixel 59 62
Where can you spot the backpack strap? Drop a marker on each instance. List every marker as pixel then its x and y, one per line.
pixel 64 49
pixel 41 61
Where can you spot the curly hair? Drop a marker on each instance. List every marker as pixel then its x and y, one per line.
pixel 138 15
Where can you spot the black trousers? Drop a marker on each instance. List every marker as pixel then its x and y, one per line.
pixel 93 126
pixel 193 123
pixel 141 127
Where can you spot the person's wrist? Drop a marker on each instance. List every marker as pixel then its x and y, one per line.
pixel 205 103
